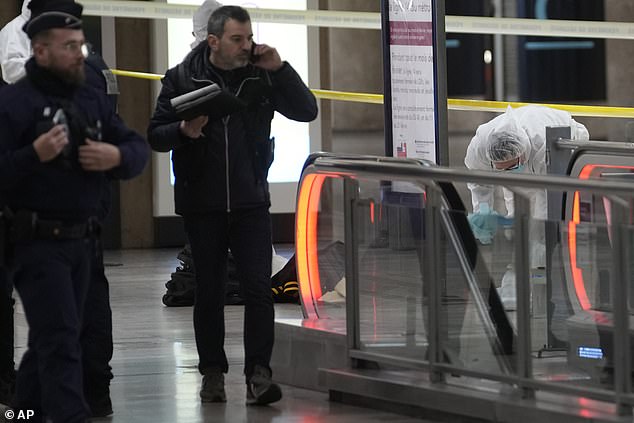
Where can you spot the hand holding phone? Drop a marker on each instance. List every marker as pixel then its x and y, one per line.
pixel 265 57
pixel 253 58
pixel 59 118
pixel 51 144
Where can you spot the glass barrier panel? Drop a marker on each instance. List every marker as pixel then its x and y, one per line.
pixel 330 257
pixel 571 266
pixel 475 327
pixel 329 294
pixel 577 322
pixel 571 305
pixel 389 225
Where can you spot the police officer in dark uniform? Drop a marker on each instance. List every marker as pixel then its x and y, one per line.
pixel 7 365
pixel 60 140
pixel 96 336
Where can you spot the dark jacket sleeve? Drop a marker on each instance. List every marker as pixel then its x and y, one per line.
pixel 133 148
pixel 16 164
pixel 291 96
pixel 16 161
pixel 163 132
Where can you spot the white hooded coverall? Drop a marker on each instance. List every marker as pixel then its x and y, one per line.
pixel 529 124
pixel 15 46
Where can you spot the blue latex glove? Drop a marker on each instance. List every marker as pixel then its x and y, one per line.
pixel 484 224
pixel 506 221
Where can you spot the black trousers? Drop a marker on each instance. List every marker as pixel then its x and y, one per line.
pixel 52 279
pixel 248 234
pixel 7 366
pixel 96 333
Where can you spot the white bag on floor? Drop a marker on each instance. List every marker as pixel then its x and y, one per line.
pixel 507 291
pixel 277 262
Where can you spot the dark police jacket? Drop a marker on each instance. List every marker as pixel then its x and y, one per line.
pixel 227 168
pixel 59 189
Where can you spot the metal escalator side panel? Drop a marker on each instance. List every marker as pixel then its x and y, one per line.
pixel 306 219
pixel 584 164
pixel 590 317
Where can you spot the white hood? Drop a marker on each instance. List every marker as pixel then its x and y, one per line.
pixel 200 19
pixel 26 12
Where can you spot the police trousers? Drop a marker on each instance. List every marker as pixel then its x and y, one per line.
pixel 6 327
pixel 96 333
pixel 247 232
pixel 51 277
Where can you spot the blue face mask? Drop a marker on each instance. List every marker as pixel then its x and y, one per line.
pixel 518 169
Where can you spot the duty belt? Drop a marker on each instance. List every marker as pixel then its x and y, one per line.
pixel 26 226
pixel 52 229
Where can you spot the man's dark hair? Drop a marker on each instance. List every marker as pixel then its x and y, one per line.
pixel 41 37
pixel 217 20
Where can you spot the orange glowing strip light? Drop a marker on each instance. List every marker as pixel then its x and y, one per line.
pixel 577 274
pixel 306 242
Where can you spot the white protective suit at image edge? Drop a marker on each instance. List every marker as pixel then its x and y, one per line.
pixel 200 20
pixel 15 46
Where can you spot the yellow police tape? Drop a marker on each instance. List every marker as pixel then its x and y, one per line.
pixel 575 110
pixel 138 75
pixel 452 104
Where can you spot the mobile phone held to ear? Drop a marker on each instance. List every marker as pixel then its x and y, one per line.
pixel 253 58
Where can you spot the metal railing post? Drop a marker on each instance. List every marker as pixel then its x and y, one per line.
pixel 619 283
pixel 350 197
pixel 523 291
pixel 432 279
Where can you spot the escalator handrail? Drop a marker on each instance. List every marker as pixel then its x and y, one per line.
pixel 413 171
pixel 603 146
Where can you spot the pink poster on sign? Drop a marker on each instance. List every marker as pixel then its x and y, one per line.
pixel 411 40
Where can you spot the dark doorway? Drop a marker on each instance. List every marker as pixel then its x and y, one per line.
pixel 467 72
pixel 561 68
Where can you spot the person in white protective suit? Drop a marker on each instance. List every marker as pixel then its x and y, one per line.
pixel 15 46
pixel 516 142
pixel 200 20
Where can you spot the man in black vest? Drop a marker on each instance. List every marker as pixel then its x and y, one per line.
pixel 221 160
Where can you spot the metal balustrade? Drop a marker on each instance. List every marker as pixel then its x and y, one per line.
pixel 417 337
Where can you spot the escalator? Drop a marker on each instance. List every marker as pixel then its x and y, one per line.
pixel 581 304
pixel 480 287
pixel 387 353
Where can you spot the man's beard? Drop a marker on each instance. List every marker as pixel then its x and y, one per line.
pixel 73 76
pixel 231 63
